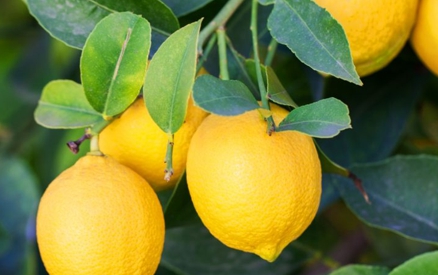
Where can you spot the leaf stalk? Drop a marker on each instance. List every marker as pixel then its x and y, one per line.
pixel 219 20
pixel 261 84
pixel 222 45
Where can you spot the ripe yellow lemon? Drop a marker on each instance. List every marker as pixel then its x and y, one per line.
pixel 424 37
pixel 254 192
pixel 100 217
pixel 376 29
pixel 136 141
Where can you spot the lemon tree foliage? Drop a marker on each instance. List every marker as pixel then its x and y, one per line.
pixel 170 78
pixel 181 8
pixel 370 50
pixel 63 105
pixel 250 162
pixel 425 262
pixel 322 119
pixel 223 97
pixel 321 42
pixel 73 21
pixel 114 61
pixel 387 183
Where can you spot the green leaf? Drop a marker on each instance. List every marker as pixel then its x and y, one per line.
pixel 223 97
pixel 170 76
pixel 328 165
pixel 71 21
pixel 379 111
pixel 63 105
pixel 181 8
pixel 179 210
pixel 237 69
pixel 323 119
pixel 361 270
pixel 276 91
pixel 316 38
pixel 193 250
pixel 114 62
pixel 394 187
pixel 424 264
pixel 266 2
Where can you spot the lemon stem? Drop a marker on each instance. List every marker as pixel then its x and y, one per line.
pixel 210 45
pixel 168 172
pixel 94 146
pixel 272 47
pixel 261 84
pixel 222 45
pixel 219 20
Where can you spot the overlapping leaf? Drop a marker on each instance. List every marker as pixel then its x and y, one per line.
pixel 394 187
pixel 63 105
pixel 324 118
pixel 170 77
pixel 114 61
pixel 316 38
pixel 223 97
pixel 71 21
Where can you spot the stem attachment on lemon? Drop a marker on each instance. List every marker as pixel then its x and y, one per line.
pixel 261 84
pixel 168 173
pixel 94 146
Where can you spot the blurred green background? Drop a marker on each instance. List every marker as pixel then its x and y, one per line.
pixel 32 156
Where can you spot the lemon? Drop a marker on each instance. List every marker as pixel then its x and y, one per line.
pixel 136 141
pixel 424 37
pixel 254 192
pixel 376 29
pixel 99 217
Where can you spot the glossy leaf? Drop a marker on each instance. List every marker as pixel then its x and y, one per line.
pixel 276 91
pixel 170 77
pixel 223 97
pixel 193 250
pixel 71 21
pixel 323 119
pixel 361 270
pixel 179 210
pixel 181 8
pixel 63 105
pixel 394 187
pixel 379 113
pixel 423 264
pixel 114 61
pixel 316 38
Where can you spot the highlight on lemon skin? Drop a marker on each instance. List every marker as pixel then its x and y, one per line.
pixel 376 30
pixel 424 38
pixel 100 217
pixel 254 192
